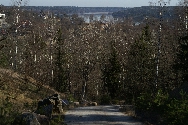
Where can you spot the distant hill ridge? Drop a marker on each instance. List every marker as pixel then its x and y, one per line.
pixel 139 13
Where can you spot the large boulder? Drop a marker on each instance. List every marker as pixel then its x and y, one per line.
pixel 50 105
pixel 46 110
pixel 76 104
pixel 43 114
pixel 93 103
pixel 43 120
pixel 30 118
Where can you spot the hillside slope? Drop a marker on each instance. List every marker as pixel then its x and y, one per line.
pixel 23 92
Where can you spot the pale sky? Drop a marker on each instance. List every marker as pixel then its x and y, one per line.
pixel 88 3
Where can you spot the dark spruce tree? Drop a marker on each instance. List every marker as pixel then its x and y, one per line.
pixel 181 65
pixel 60 72
pixel 111 73
pixel 141 71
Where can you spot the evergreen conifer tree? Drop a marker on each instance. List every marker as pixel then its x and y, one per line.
pixel 141 65
pixel 111 73
pixel 182 58
pixel 60 79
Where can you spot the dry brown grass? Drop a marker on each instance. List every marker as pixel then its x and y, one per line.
pixel 20 91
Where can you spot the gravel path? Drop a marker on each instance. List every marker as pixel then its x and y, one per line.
pixel 98 115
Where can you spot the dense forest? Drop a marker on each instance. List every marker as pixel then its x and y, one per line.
pixel 145 65
pixel 137 14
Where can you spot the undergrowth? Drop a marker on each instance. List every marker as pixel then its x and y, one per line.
pixel 170 111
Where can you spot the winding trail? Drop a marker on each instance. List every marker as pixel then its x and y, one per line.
pixel 98 115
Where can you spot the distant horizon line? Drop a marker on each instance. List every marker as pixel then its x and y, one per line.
pixel 88 6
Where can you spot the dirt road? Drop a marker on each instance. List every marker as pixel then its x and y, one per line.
pixel 98 115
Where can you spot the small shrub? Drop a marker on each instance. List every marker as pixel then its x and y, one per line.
pixel 177 111
pixel 70 98
pixel 105 100
pixel 171 111
pixel 7 113
pixel 30 106
pixel 115 101
pixel 160 101
pixel 57 120
pixel 155 103
pixel 143 102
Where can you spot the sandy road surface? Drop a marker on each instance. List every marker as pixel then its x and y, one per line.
pixel 98 115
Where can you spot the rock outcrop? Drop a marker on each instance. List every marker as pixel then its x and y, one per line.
pixel 42 116
pixel 30 118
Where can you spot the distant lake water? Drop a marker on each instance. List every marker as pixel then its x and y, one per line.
pixel 97 16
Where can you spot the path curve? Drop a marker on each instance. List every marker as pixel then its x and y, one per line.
pixel 98 115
